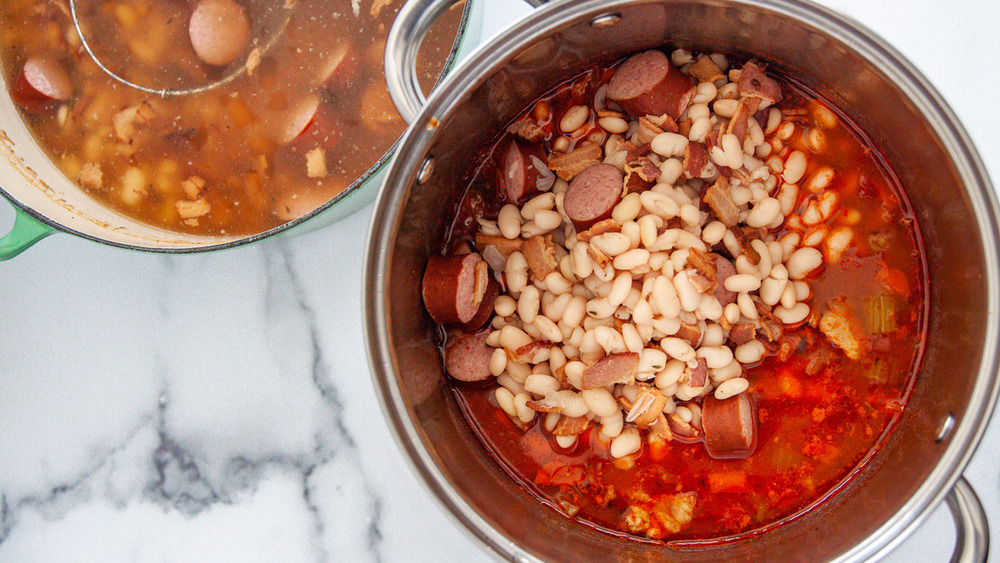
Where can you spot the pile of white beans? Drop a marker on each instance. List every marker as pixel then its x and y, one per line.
pixel 635 296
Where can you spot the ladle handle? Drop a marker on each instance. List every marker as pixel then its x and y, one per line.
pixel 972 541
pixel 26 231
pixel 412 23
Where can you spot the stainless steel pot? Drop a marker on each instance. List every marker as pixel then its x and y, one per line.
pixel 47 202
pixel 921 462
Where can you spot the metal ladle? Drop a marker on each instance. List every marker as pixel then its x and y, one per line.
pixel 271 19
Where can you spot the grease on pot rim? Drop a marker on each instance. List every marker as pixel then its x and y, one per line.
pixel 656 330
pixel 308 118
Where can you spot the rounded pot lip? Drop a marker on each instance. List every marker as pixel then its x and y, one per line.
pixel 487 58
pixel 349 193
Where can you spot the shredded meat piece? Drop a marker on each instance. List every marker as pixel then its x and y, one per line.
pixel 316 163
pixel 718 199
pixel 91 176
pixel 840 328
pixel 744 235
pixel 526 128
pixel 648 406
pixel 128 121
pixel 674 511
pixel 192 209
pixel 192 186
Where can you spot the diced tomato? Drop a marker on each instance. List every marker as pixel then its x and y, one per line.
pixel 893 280
pixel 732 481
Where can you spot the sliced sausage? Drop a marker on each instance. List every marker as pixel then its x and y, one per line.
pixel 43 81
pixel 730 426
pixel 340 68
pixel 467 357
pixel 648 84
pixel 485 311
pixel 593 194
pixel 616 368
pixel 454 286
pixel 723 269
pixel 519 172
pixel 219 31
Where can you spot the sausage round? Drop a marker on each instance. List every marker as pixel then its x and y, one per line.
pixel 219 31
pixel 42 82
pixel 467 357
pixel 453 287
pixel 648 84
pixel 730 426
pixel 485 311
pixel 593 194
pixel 519 172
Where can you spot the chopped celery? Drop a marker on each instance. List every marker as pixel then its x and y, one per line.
pixel 881 315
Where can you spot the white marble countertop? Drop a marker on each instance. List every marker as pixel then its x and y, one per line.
pixel 218 407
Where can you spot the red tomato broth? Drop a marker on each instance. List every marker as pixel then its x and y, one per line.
pixel 821 415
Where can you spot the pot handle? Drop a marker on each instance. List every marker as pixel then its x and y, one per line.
pixel 972 541
pixel 412 23
pixel 26 231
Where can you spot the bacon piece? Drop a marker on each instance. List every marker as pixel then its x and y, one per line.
pixel 599 228
pixel 723 269
pixel 568 165
pixel 742 333
pixel 540 253
pixel 698 374
pixel 740 123
pixel 571 426
pixel 719 201
pixel 683 432
pixel 640 175
pixel 753 82
pixel 705 70
pixel 527 129
pixel 689 333
pixel 695 158
pixel 504 245
pixel 616 368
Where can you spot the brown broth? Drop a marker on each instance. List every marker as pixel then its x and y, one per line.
pixel 232 138
pixel 821 415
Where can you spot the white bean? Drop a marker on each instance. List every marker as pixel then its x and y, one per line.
pixel 677 348
pixel 600 402
pixel 764 213
pixel 750 352
pixel 731 388
pixel 547 220
pixel 792 315
pixel 613 124
pixel 716 356
pixel 541 385
pixel 574 118
pixel 509 221
pixel 528 303
pixel 516 272
pixel 670 374
pixel 669 144
pixel 612 243
pixel 506 401
pixel 524 413
pixel 742 283
pixel 771 290
pixel 802 262
pixel 549 330
pixel 626 443
pixel 795 167
pixel 726 372
pixel 545 201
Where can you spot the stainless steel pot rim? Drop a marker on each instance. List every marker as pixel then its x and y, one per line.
pixel 349 193
pixel 485 60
